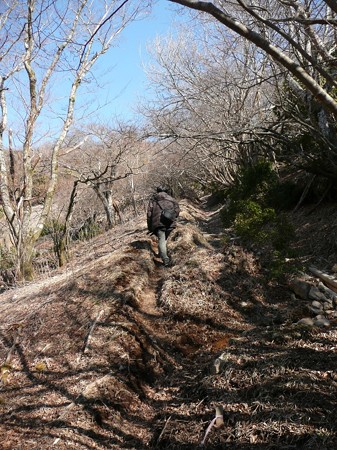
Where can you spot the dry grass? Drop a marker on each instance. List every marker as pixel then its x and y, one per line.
pixel 117 352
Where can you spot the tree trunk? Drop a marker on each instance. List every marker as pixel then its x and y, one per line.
pixel 134 203
pixel 62 249
pixel 61 237
pixel 25 253
pixel 107 202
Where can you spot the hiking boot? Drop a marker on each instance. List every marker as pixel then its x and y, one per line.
pixel 167 262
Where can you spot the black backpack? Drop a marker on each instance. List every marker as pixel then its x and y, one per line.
pixel 168 214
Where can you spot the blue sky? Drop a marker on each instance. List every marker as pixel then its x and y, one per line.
pixel 120 72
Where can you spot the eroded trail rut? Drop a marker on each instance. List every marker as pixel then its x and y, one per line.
pixel 179 343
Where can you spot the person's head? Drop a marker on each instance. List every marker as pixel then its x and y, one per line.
pixel 161 189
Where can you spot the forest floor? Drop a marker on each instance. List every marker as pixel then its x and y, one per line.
pixel 115 351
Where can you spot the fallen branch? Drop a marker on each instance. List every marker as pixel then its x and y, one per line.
pixel 324 277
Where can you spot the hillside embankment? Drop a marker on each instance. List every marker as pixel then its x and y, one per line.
pixel 117 352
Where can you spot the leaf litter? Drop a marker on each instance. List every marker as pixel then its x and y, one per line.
pixel 115 351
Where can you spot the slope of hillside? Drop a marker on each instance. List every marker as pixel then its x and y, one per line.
pixel 117 352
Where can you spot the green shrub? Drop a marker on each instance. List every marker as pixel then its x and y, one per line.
pixel 283 233
pixel 254 182
pixel 277 266
pixel 251 220
pixel 262 184
pixel 52 227
pixel 89 232
pixel 254 205
pixel 263 226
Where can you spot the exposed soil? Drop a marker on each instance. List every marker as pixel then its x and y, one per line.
pixel 117 352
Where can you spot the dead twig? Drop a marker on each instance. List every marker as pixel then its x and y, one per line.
pixel 88 339
pixel 217 422
pixel 163 430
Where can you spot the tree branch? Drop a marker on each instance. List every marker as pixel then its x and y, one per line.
pixel 292 66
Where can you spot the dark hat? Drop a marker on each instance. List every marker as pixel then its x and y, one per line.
pixel 162 189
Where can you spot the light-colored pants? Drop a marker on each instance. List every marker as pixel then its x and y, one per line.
pixel 162 244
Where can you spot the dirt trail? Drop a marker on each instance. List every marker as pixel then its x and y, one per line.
pixel 149 298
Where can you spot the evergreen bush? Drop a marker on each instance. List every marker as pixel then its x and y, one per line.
pixel 255 202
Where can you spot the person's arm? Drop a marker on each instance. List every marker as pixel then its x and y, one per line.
pixel 176 208
pixel 149 215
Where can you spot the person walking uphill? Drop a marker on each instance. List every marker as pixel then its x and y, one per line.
pixel 162 213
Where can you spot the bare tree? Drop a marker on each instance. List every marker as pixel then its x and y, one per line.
pixel 208 101
pixel 43 42
pixel 110 155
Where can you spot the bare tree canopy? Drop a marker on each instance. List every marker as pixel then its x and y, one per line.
pixel 298 35
pixel 221 100
pixel 213 96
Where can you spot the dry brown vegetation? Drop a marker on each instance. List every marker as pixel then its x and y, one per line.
pixel 115 351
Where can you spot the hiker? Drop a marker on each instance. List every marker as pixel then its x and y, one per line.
pixel 162 213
